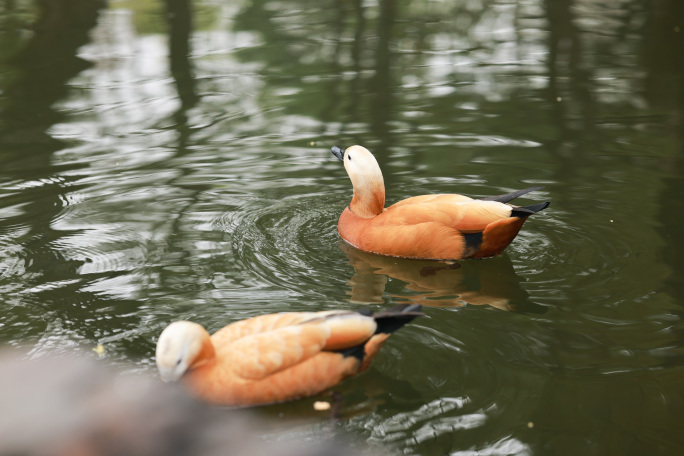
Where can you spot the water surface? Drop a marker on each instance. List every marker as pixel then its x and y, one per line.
pixel 172 161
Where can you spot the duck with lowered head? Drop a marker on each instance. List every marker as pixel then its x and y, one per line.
pixel 276 357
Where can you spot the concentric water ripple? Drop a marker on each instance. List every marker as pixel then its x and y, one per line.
pixel 144 181
pixel 289 244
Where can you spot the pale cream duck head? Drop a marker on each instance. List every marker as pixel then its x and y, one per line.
pixel 181 346
pixel 366 177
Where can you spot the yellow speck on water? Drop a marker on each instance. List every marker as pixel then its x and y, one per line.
pixel 321 405
pixel 312 143
pixel 100 350
pixel 611 220
pixel 530 425
pixel 559 99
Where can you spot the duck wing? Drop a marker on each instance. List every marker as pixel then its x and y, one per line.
pixel 526 211
pixel 464 216
pixel 258 355
pixel 437 198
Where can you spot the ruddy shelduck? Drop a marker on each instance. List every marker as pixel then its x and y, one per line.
pixel 435 227
pixel 275 357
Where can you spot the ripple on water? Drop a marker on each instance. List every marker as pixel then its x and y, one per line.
pixel 396 425
pixel 463 367
pixel 12 262
pixel 559 256
pixel 287 243
pixel 420 139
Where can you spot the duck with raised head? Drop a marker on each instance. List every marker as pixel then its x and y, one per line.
pixel 435 227
pixel 275 357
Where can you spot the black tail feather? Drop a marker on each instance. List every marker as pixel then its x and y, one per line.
pixel 510 196
pixel 389 320
pixel 526 211
pixel 358 351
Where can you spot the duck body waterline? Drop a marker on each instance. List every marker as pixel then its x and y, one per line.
pixel 276 357
pixel 437 227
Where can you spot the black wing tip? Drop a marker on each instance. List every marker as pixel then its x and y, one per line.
pixel 357 351
pixel 403 308
pixel 388 321
pixel 506 197
pixel 393 318
pixel 400 311
pixel 396 310
pixel 526 211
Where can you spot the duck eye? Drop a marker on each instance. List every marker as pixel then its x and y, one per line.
pixel 178 362
pixel 349 156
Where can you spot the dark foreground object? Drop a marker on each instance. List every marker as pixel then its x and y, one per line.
pixel 72 407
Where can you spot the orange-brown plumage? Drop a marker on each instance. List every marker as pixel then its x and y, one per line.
pixel 444 226
pixel 276 357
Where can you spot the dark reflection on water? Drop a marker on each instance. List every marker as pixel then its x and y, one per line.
pixel 491 282
pixel 169 161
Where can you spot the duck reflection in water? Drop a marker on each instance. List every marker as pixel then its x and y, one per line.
pixel 491 282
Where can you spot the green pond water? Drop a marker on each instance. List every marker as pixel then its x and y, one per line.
pixel 171 160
